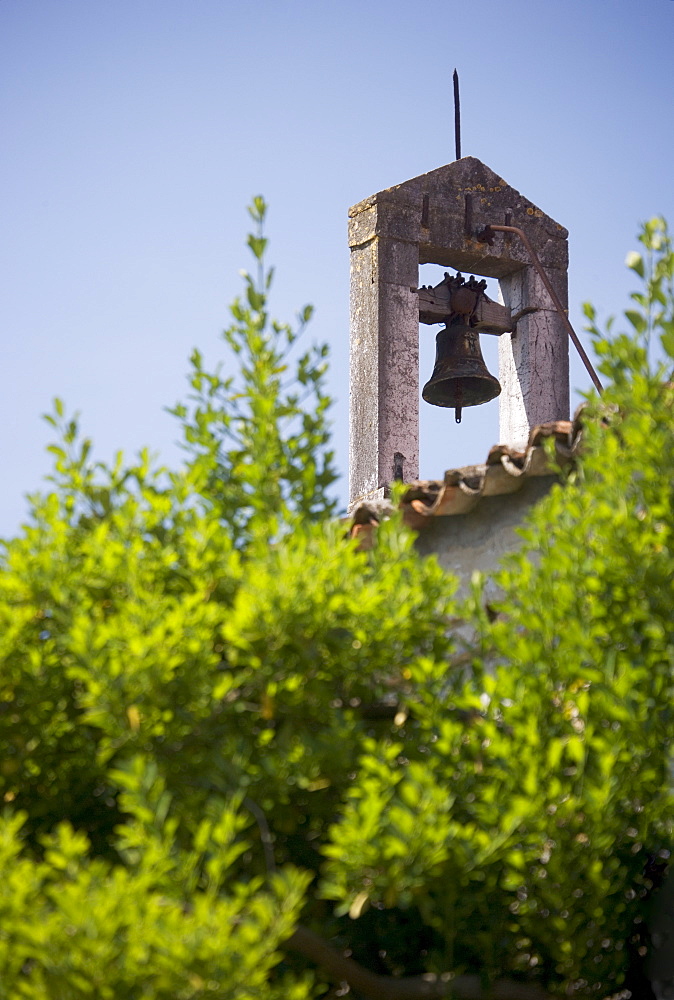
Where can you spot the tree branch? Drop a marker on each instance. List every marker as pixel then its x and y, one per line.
pixel 265 833
pixel 375 987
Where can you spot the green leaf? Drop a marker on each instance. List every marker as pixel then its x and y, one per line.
pixel 635 261
pixel 667 340
pixel 258 245
pixel 637 319
pixel 258 209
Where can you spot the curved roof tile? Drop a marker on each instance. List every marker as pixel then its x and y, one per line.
pixel 505 471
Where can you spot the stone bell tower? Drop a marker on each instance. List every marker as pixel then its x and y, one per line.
pixel 441 218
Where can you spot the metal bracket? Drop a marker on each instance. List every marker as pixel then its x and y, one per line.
pixel 487 236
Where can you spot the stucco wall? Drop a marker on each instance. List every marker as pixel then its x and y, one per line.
pixel 464 543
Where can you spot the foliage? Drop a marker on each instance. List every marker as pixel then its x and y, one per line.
pixel 260 449
pixel 76 926
pixel 218 715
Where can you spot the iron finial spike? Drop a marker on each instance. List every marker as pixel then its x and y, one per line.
pixel 457 117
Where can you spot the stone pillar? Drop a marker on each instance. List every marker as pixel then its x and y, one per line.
pixel 384 366
pixel 534 359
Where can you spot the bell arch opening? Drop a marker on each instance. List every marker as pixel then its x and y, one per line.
pixel 444 444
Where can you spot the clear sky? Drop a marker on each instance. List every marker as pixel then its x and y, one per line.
pixel 134 133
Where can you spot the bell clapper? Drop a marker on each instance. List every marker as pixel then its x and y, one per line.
pixel 457 414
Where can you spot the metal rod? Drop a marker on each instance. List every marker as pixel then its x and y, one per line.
pixel 457 117
pixel 483 237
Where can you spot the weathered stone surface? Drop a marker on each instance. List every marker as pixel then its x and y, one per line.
pixel 384 367
pixel 436 218
pixel 449 238
pixel 534 360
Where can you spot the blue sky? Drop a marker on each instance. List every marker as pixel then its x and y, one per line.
pixel 136 131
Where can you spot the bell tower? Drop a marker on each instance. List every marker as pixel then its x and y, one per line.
pixel 444 217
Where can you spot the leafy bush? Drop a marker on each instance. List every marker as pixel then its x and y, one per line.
pixel 219 716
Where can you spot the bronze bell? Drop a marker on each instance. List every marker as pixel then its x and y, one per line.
pixel 460 377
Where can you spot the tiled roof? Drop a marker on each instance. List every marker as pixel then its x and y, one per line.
pixel 505 471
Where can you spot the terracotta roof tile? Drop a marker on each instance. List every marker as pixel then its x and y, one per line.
pixel 505 471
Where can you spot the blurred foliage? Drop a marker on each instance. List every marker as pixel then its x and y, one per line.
pixel 260 450
pixel 219 716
